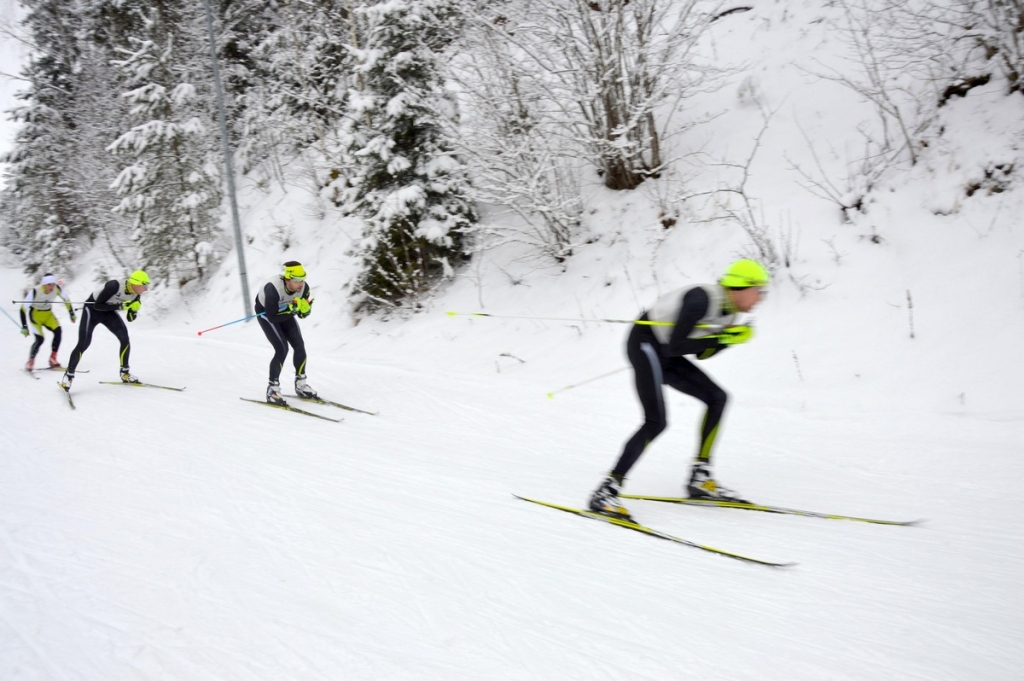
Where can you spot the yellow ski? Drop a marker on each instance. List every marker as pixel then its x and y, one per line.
pixel 643 529
pixel 765 509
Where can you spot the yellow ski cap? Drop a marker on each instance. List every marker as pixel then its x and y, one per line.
pixel 139 278
pixel 744 274
pixel 294 270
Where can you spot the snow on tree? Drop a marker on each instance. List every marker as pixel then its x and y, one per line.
pixel 171 185
pixel 44 224
pixel 406 181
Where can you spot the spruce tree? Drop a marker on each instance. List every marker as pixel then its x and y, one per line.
pixel 44 223
pixel 171 185
pixel 407 183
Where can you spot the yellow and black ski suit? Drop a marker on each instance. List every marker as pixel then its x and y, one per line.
pixel 280 326
pixel 657 354
pixel 102 307
pixel 40 315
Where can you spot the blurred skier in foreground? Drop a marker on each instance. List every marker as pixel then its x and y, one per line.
pixel 701 321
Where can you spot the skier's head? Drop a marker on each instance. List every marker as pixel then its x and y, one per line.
pixel 744 282
pixel 293 270
pixel 744 274
pixel 48 281
pixel 138 282
pixel 294 275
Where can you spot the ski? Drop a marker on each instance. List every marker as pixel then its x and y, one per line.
pixel 142 385
pixel 320 400
pixel 60 368
pixel 32 373
pixel 643 529
pixel 765 509
pixel 288 407
pixel 67 394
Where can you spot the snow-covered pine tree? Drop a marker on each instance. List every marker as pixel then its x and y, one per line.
pixel 44 223
pixel 408 185
pixel 171 186
pixel 289 69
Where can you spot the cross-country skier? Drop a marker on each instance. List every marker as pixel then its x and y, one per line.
pixel 40 315
pixel 703 322
pixel 278 303
pixel 102 307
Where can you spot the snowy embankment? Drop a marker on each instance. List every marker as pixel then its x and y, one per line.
pixel 158 535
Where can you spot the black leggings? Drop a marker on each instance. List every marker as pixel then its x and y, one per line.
pixel 652 371
pixel 38 343
pixel 90 320
pixel 280 336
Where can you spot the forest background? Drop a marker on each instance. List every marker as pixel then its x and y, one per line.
pixel 556 165
pixel 447 128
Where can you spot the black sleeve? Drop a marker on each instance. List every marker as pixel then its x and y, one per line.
pixel 28 296
pixel 109 289
pixel 694 308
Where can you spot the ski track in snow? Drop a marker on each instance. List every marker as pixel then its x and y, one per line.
pixel 167 536
pixel 152 534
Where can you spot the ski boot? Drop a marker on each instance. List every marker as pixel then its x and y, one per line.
pixel 126 376
pixel 65 382
pixel 274 394
pixel 703 485
pixel 605 500
pixel 30 364
pixel 302 388
pixel 54 362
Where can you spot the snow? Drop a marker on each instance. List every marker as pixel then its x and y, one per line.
pixel 158 535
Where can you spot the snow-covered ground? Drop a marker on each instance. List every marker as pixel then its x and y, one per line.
pixel 157 535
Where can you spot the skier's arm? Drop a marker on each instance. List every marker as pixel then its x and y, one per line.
pixel 67 302
pixel 694 308
pixel 29 297
pixel 109 289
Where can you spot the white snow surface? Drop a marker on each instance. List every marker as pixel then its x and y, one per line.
pixel 158 535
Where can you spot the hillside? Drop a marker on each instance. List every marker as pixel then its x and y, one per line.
pixel 158 535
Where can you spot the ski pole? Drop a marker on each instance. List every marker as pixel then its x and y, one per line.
pixel 11 318
pixel 252 316
pixel 589 380
pixel 62 302
pixel 641 322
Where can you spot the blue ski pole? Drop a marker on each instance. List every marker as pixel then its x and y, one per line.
pixel 252 316
pixel 11 318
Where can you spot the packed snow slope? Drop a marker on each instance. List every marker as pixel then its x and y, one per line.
pixel 149 534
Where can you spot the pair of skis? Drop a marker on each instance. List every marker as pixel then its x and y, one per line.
pixel 314 400
pixel 34 373
pixel 643 529
pixel 71 402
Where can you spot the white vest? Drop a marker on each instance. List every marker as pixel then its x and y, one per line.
pixel 284 294
pixel 42 300
pixel 667 307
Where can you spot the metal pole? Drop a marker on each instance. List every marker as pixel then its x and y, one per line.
pixel 228 166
